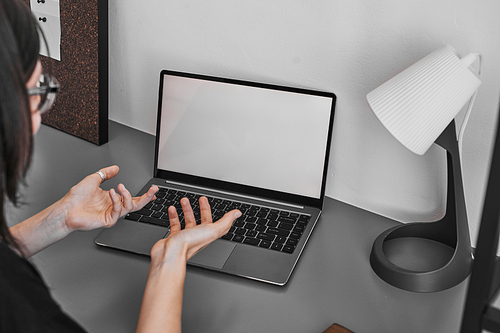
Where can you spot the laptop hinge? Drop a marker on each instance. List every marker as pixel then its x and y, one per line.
pixel 236 194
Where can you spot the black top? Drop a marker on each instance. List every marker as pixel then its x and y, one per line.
pixel 25 301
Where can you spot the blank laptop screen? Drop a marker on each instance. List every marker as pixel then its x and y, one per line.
pixel 265 138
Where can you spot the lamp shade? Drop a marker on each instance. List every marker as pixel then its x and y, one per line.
pixel 418 104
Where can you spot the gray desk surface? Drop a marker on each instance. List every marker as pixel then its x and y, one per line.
pixel 333 282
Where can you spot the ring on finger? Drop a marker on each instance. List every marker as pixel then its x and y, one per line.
pixel 102 176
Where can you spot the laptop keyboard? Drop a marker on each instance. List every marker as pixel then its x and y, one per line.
pixel 261 226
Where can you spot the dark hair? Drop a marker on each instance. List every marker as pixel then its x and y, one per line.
pixel 19 49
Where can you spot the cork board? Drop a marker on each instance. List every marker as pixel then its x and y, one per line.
pixel 81 106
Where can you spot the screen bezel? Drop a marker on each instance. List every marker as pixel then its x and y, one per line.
pixel 238 188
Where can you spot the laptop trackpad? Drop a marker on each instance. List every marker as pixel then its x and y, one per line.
pixel 132 236
pixel 214 255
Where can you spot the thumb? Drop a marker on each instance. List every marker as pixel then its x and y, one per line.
pixel 227 220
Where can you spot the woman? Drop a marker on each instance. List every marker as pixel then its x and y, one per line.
pixel 25 302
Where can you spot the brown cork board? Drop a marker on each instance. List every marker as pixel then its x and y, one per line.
pixel 81 106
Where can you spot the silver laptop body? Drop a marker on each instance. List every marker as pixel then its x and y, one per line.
pixel 252 145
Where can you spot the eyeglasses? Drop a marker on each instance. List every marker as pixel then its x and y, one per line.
pixel 47 87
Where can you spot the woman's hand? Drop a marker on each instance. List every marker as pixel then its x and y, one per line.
pixel 183 244
pixel 85 207
pixel 89 207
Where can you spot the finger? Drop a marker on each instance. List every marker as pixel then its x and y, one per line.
pixel 175 224
pixel 117 206
pixel 150 194
pixel 109 172
pixel 126 197
pixel 139 202
pixel 205 211
pixel 101 175
pixel 189 218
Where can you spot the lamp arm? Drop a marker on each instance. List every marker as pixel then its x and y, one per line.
pixel 452 232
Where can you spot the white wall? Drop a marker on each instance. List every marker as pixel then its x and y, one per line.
pixel 348 47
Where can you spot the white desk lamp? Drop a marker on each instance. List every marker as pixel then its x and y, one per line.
pixel 418 107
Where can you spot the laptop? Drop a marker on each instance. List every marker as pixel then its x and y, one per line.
pixel 256 147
